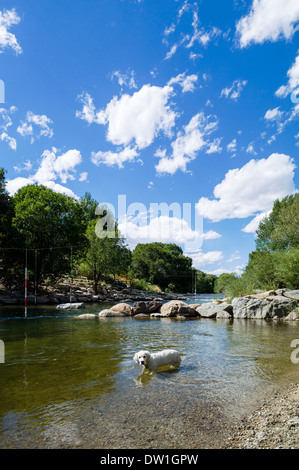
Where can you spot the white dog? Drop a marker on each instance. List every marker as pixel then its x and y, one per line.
pixel 161 358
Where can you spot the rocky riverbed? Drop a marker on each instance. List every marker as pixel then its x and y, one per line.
pixel 274 425
pixel 81 291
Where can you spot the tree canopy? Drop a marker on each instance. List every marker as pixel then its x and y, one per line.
pixel 275 262
pixel 163 264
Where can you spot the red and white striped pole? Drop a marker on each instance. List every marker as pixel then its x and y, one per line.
pixel 26 271
pixel 71 277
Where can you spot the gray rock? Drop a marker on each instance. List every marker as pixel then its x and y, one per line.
pixel 215 309
pixel 86 316
pixel 280 306
pixel 276 306
pixel 174 308
pixel 151 306
pixel 292 316
pixel 292 294
pixel 121 309
pixel 250 308
pixel 109 313
pixel 73 306
pixel 142 316
pixel 224 314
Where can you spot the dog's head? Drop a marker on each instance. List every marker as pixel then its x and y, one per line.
pixel 142 358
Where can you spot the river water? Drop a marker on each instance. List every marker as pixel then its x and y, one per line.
pixel 72 383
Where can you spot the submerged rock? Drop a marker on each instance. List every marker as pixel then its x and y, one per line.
pixel 86 316
pixel 74 306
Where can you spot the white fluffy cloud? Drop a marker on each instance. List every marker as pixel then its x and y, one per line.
pixel 187 144
pixel 254 223
pixel 293 80
pixel 268 20
pixel 211 235
pixel 251 189
pixel 109 158
pixel 61 166
pixel 232 146
pixel 4 137
pixel 162 228
pixel 9 18
pixel 187 82
pixel 6 122
pixel 201 258
pixel 273 114
pixel 41 121
pixel 234 91
pixel 52 167
pixel 195 37
pixel 133 119
pixel 127 79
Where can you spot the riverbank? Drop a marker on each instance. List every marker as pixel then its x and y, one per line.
pixel 81 291
pixel 274 425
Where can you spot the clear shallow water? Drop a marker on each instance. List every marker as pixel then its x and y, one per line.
pixel 73 383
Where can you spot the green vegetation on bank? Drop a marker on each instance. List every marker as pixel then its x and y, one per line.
pixel 63 235
pixel 275 262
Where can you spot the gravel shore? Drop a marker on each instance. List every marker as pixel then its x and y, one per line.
pixel 274 425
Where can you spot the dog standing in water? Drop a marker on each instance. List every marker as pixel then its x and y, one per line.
pixel 161 358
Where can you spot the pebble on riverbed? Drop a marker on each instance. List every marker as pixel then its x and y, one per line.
pixel 275 425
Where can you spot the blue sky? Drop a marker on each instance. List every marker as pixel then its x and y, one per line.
pixel 192 106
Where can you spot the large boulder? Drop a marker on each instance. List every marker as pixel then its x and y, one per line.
pixel 175 308
pixel 292 294
pixel 122 309
pixel 151 306
pixel 108 313
pixel 250 308
pixel 280 306
pixel 261 295
pixel 215 309
pixel 118 310
pixel 276 306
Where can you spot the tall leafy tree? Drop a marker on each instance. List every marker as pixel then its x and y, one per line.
pixel 52 223
pixel 163 264
pixel 107 253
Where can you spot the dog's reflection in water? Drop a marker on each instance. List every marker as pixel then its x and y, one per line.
pixel 147 375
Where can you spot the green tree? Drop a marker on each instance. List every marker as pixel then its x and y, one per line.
pixel 8 237
pixel 46 220
pixel 6 211
pixel 106 253
pixel 280 230
pixel 275 261
pixel 224 281
pixel 205 282
pixel 89 205
pixel 163 264
pixel 286 268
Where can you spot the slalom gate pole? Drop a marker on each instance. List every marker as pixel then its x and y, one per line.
pixel 26 275
pixel 71 280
